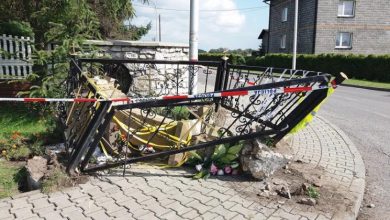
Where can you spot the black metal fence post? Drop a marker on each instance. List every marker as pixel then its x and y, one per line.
pixel 219 80
pixel 82 148
pixel 97 138
pixel 225 77
pixel 75 66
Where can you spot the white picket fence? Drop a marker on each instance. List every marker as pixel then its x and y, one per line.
pixel 15 57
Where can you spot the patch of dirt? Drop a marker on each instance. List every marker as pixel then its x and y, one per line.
pixel 50 174
pixel 290 185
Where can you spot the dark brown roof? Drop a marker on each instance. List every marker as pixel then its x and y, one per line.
pixel 264 31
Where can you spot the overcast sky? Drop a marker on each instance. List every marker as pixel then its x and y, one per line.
pixel 221 24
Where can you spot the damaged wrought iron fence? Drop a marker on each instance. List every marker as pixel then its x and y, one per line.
pixel 150 112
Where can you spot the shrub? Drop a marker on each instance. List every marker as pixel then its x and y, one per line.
pixel 16 28
pixel 180 113
pixel 15 147
pixel 371 67
pixel 236 59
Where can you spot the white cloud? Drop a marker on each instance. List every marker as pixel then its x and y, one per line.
pixel 214 25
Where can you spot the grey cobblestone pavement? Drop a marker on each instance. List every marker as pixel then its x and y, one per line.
pixel 151 193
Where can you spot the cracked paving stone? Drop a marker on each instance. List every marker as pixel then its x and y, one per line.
pixel 191 214
pixel 99 215
pixel 179 208
pixel 41 203
pixel 4 213
pixel 170 215
pixel 201 208
pixel 149 216
pixel 121 213
pixel 223 212
pixel 140 212
pixel 90 207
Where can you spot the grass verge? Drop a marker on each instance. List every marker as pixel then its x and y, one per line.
pixel 57 180
pixel 365 83
pixel 10 177
pixel 23 119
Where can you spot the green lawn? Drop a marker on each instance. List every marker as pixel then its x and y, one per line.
pixel 10 175
pixel 21 118
pixel 358 82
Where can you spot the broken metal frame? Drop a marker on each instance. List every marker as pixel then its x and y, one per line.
pixel 292 113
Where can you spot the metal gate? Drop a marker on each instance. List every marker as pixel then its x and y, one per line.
pixel 138 114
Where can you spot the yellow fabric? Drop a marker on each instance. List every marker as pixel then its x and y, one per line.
pixel 310 116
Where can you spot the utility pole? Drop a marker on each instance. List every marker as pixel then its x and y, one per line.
pixel 194 29
pixel 294 61
pixel 159 27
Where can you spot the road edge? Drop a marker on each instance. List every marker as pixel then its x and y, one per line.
pixel 366 87
pixel 359 182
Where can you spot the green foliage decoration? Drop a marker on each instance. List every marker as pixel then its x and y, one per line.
pixel 224 156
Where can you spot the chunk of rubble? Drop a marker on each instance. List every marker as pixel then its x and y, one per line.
pixel 308 201
pixel 285 192
pixel 36 170
pixel 261 161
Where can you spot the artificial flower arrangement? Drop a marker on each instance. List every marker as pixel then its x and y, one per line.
pixel 224 161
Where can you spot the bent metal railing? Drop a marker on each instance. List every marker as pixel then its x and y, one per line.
pixel 145 109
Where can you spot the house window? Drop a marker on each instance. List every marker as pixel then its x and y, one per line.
pixel 284 14
pixel 346 8
pixel 344 40
pixel 283 42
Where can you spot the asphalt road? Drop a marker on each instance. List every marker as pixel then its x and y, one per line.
pixel 364 115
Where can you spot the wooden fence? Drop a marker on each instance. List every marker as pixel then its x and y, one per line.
pixel 15 57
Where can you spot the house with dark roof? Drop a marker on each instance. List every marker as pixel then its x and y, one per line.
pixel 329 26
pixel 264 41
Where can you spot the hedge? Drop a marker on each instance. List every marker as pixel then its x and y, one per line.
pixel 235 59
pixel 371 67
pixel 16 28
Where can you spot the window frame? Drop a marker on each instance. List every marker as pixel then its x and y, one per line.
pixel 283 41
pixel 284 14
pixel 343 15
pixel 340 34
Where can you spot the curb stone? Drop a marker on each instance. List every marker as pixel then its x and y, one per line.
pixel 332 141
pixel 358 183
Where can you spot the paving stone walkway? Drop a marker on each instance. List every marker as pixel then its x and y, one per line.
pixel 151 193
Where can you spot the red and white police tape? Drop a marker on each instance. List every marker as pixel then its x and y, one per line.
pixel 125 100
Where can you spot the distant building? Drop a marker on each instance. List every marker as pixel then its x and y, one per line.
pixel 329 26
pixel 264 36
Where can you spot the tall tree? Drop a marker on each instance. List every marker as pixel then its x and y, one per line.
pixel 97 18
pixel 67 23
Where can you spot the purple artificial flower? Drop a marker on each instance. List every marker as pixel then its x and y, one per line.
pixel 213 169
pixel 228 169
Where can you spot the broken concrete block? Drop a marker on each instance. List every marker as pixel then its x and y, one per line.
pixel 36 169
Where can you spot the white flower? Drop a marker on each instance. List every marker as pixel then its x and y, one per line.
pixel 220 172
pixel 198 167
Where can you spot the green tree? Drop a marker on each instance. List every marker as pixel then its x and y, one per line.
pixel 67 24
pixel 105 19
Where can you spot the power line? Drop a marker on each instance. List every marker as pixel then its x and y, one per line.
pixel 216 10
